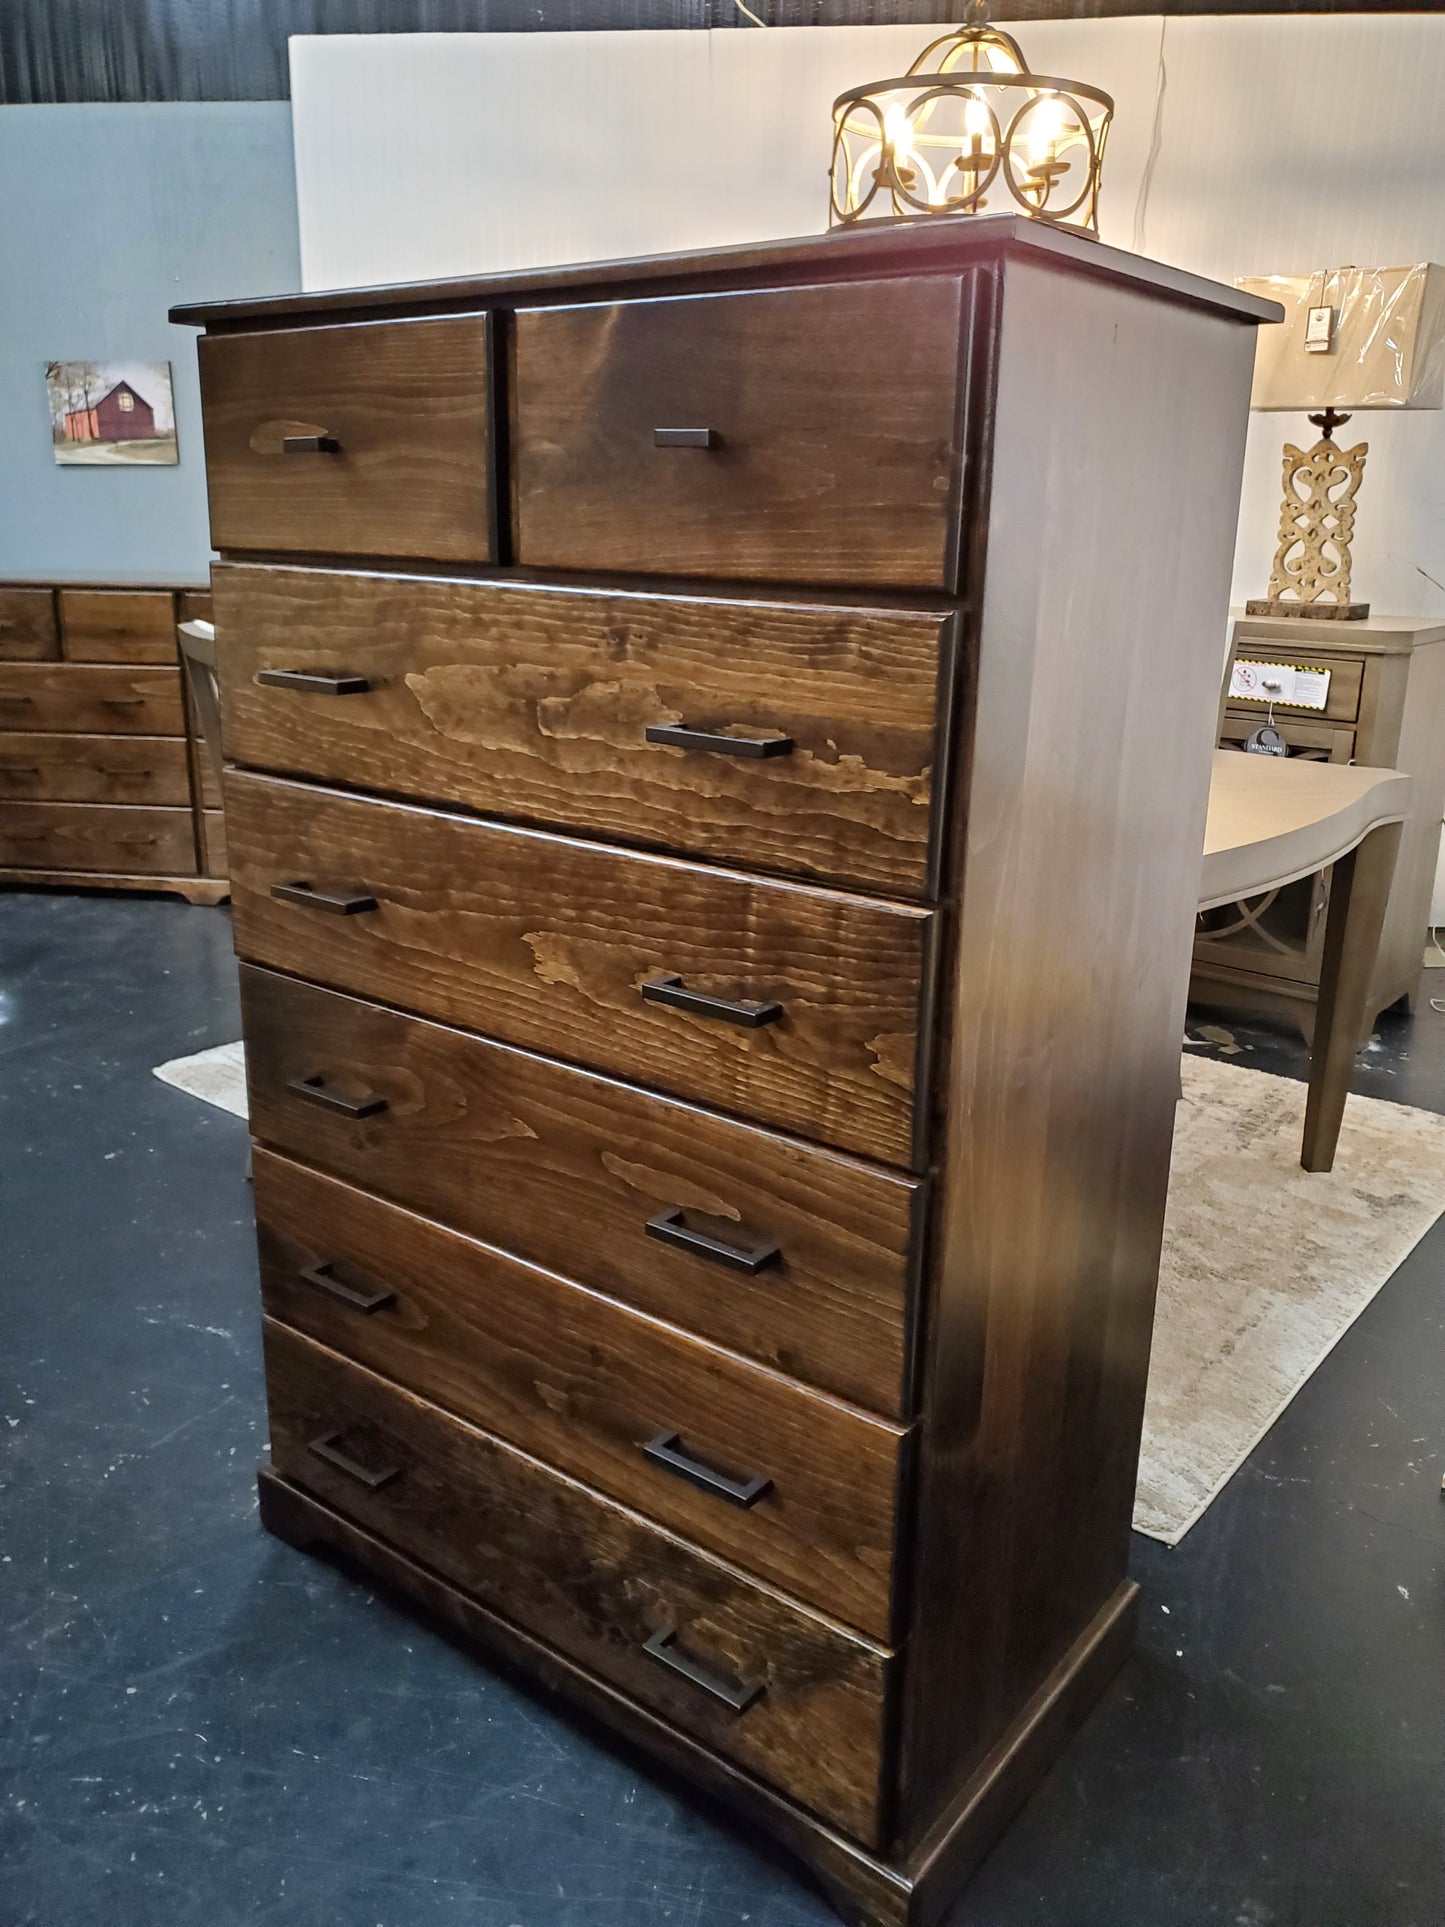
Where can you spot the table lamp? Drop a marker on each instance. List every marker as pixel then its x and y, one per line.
pixel 1352 339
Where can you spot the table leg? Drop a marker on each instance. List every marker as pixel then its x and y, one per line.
pixel 1359 889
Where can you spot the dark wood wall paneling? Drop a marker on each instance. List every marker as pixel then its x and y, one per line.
pixel 134 50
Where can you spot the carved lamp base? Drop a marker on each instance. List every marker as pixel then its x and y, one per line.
pixel 1311 572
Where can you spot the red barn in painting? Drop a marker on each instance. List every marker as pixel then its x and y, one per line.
pixel 120 416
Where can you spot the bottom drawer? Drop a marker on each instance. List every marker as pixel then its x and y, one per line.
pixel 97 837
pixel 783 1692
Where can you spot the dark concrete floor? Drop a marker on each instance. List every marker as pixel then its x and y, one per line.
pixel 204 1727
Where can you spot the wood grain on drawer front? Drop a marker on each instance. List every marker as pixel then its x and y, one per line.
pixel 91 699
pixel 28 631
pixel 97 837
pixel 534 702
pixel 118 625
pixel 406 404
pixel 585 1384
pixel 592 1578
pixel 94 769
pixel 835 413
pixel 521 1151
pixel 547 942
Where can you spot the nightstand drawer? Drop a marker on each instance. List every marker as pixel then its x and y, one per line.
pixel 1315 742
pixel 790 737
pixel 797 1006
pixel 90 699
pixel 789 1485
pixel 28 631
pixel 789 1695
pixel 518 1151
pixel 96 837
pixel 371 438
pixel 1257 658
pixel 94 769
pixel 118 625
pixel 716 435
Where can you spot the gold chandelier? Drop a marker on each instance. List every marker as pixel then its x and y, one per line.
pixel 968 128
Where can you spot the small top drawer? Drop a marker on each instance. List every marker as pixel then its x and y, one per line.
pixel 118 625
pixel 27 626
pixel 370 438
pixel 1265 672
pixel 799 434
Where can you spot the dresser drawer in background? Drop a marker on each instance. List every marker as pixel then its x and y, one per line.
pixel 793 1255
pixel 118 625
pixel 787 737
pixel 371 438
pixel 785 1693
pixel 1254 657
pixel 797 1006
pixel 1315 742
pixel 786 1483
pixel 794 473
pixel 28 629
pixel 97 837
pixel 94 769
pixel 90 699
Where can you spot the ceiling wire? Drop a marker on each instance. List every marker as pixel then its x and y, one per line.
pixel 750 14
pixel 1146 179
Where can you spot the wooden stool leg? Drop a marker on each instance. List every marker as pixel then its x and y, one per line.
pixel 1359 889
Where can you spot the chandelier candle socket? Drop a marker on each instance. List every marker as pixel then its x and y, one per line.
pixel 969 129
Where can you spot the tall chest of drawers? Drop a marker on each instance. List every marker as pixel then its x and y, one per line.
pixel 717 756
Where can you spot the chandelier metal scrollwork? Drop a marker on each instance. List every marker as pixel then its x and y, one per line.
pixel 969 129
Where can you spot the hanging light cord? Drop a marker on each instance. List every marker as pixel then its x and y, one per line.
pixel 1146 179
pixel 750 14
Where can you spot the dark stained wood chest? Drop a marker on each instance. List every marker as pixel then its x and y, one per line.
pixel 718 749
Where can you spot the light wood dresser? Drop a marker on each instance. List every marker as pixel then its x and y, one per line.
pixel 719 749
pixel 103 776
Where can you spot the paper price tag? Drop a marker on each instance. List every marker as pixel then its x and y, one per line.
pixel 1279 682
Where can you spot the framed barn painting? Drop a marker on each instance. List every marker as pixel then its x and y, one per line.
pixel 104 413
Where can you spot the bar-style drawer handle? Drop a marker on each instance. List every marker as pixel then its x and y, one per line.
pixel 671 990
pixel 125 775
pixel 738 1698
pixel 310 445
pixel 27 770
pixel 314 1090
pixel 122 702
pixel 325 1279
pixel 318 684
pixel 669 1229
pixel 17 702
pixel 684 438
pixel 679 736
pixel 666 1450
pixel 341 906
pixel 325 1448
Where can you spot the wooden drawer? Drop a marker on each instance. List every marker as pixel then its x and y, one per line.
pixel 535 702
pixel 547 942
pixel 28 630
pixel 519 1151
pixel 788 1484
pixel 118 625
pixel 406 405
pixel 214 859
pixel 1346 673
pixel 94 769
pixel 194 605
pixel 1315 742
pixel 593 1579
pixel 812 475
pixel 90 700
pixel 97 837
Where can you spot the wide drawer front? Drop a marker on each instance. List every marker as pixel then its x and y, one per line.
pixel 1315 742
pixel 96 837
pixel 118 625
pixel 371 438
pixel 1255 680
pixel 91 699
pixel 796 1256
pixel 28 631
pixel 786 1483
pixel 794 1005
pixel 799 434
pixel 762 1681
pixel 789 738
pixel 94 769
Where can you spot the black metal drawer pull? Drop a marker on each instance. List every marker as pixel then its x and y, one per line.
pixel 666 1450
pixel 28 770
pixel 684 438
pixel 314 1090
pixel 739 1698
pixel 668 1228
pixel 123 702
pixel 318 684
pixel 325 1279
pixel 671 990
pixel 302 892
pixel 325 1448
pixel 679 736
pixel 310 445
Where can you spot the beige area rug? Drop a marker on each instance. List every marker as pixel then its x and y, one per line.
pixel 1265 1266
